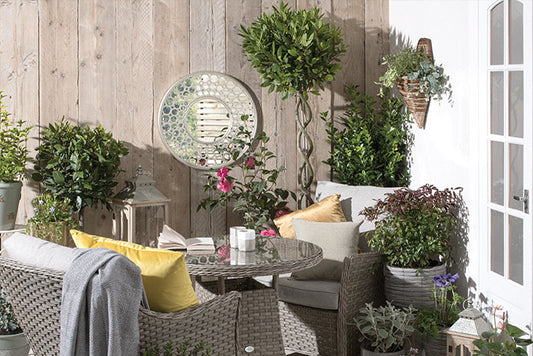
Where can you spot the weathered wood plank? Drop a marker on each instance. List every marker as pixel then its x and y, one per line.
pixel 376 42
pixel 171 62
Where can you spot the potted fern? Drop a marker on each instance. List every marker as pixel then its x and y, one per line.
pixel 12 340
pixel 418 79
pixel 13 159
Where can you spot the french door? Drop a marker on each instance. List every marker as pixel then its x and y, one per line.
pixel 506 240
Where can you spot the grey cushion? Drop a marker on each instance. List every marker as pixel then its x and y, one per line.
pixel 37 252
pixel 337 240
pixel 315 294
pixel 353 199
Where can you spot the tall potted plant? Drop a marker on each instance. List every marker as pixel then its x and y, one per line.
pixel 413 232
pixel 13 159
pixel 12 340
pixel 78 164
pixel 295 52
pixel 384 330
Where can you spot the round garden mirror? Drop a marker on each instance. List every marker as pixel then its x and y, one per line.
pixel 200 116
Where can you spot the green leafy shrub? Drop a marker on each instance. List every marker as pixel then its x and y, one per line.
pixel 8 321
pixel 414 227
pixel 508 341
pixel 183 349
pixel 373 145
pixel 293 50
pixel 78 163
pixel 386 328
pixel 13 151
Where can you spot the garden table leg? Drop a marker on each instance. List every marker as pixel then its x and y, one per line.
pixel 221 285
pixel 275 280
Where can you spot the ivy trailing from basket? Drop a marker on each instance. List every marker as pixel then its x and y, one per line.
pixel 373 145
pixel 183 349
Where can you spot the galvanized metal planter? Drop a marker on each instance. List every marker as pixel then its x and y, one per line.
pixel 9 203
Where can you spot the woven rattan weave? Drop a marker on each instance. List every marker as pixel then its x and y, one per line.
pixel 312 331
pixel 35 294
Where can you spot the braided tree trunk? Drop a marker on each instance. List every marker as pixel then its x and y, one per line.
pixel 305 147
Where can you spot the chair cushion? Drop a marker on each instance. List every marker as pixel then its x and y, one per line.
pixel 165 276
pixel 327 210
pixel 337 240
pixel 353 199
pixel 37 252
pixel 315 294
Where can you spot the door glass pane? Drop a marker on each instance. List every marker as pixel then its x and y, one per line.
pixel 516 32
pixel 496 242
pixel 516 256
pixel 496 168
pixel 496 34
pixel 496 103
pixel 516 104
pixel 516 175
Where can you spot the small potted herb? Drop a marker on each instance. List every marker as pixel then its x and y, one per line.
pixel 13 159
pixel 413 231
pixel 418 79
pixel 431 321
pixel 505 340
pixel 12 340
pixel 384 330
pixel 52 219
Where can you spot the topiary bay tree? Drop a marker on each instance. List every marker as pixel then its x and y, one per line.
pixel 295 52
pixel 78 164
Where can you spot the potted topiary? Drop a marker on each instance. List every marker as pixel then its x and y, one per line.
pixel 52 219
pixel 417 78
pixel 13 159
pixel 12 340
pixel 384 330
pixel 413 232
pixel 78 164
pixel 295 52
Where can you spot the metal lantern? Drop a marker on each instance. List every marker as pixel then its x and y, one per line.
pixel 469 327
pixel 139 211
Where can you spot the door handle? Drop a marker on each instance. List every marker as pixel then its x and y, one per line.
pixel 524 199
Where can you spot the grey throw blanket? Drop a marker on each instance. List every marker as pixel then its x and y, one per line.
pixel 102 292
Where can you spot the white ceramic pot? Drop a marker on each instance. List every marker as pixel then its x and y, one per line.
pixel 14 345
pixel 365 352
pixel 404 286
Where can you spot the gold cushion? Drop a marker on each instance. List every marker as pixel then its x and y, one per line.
pixel 327 210
pixel 165 276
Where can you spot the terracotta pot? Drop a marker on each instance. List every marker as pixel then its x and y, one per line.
pixel 404 286
pixel 14 345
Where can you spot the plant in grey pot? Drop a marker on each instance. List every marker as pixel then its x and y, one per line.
pixel 413 231
pixel 295 52
pixel 384 330
pixel 78 164
pixel 13 159
pixel 12 340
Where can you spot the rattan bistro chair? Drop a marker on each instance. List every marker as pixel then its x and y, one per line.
pixel 35 294
pixel 313 331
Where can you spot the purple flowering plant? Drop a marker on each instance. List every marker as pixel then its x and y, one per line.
pixel 47 210
pixel 414 227
pixel 446 306
pixel 249 182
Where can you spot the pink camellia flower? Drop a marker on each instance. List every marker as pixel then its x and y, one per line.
pixel 222 173
pixel 250 162
pixel 282 211
pixel 268 232
pixel 224 185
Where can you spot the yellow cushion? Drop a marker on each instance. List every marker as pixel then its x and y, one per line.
pixel 327 210
pixel 165 276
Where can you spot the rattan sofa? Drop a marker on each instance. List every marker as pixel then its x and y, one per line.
pixel 35 294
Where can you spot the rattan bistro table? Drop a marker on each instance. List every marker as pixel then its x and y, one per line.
pixel 259 329
pixel 272 256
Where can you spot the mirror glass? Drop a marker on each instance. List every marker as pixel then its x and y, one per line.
pixel 200 116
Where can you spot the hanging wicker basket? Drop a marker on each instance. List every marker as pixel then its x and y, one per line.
pixel 416 102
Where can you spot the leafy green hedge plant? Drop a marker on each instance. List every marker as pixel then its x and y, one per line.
pixel 78 164
pixel 372 146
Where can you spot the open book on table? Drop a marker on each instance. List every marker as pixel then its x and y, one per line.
pixel 171 239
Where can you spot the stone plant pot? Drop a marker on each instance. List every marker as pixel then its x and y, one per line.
pixel 435 346
pixel 404 286
pixel 14 345
pixel 9 204
pixel 365 352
